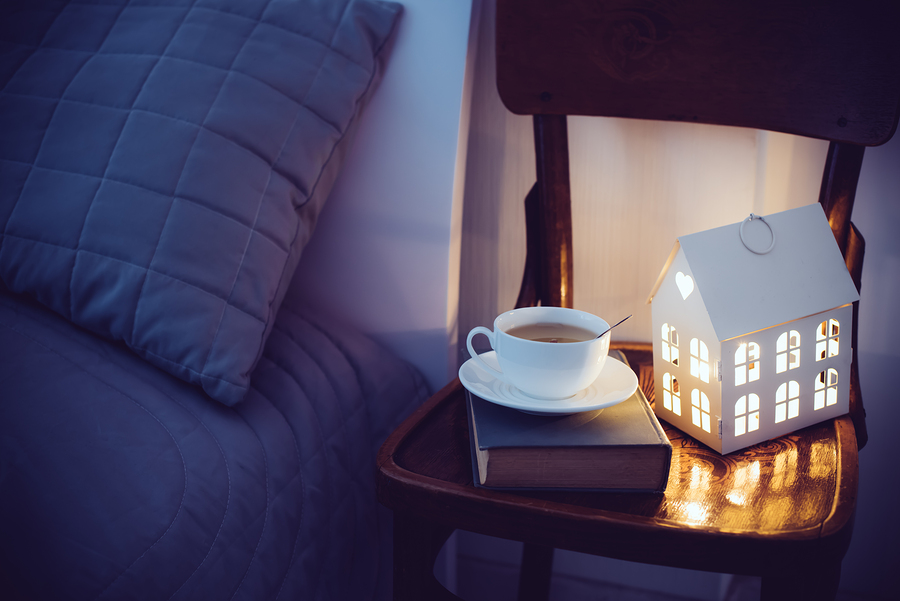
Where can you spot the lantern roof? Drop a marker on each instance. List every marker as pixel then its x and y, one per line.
pixel 743 292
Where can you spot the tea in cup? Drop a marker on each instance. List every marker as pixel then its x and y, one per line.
pixel 546 352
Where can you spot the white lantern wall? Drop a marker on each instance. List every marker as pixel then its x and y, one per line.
pixel 686 355
pixel 778 380
pixel 743 351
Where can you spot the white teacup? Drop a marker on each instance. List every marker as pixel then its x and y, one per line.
pixel 540 369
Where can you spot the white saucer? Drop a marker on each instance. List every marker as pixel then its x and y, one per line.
pixel 615 383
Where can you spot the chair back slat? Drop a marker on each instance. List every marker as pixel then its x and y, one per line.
pixel 839 179
pixel 828 70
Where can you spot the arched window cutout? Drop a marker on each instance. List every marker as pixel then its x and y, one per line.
pixel 746 414
pixel 671 394
pixel 699 360
pixel 828 339
pixel 746 363
pixel 787 351
pixel 700 410
pixel 669 344
pixel 826 389
pixel 787 401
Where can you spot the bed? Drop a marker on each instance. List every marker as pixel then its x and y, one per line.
pixel 175 422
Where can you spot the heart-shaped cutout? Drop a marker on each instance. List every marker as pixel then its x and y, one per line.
pixel 685 284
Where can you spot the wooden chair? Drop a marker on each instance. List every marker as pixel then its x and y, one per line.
pixel 782 510
pixel 814 69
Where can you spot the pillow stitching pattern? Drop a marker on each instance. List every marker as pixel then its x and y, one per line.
pixel 196 201
pixel 44 135
pixel 151 414
pixel 334 147
pixel 284 29
pixel 365 70
pixel 44 138
pixel 211 9
pixel 133 337
pixel 97 189
pixel 259 205
pixel 354 116
pixel 204 127
pixel 274 168
pixel 263 198
pixel 156 271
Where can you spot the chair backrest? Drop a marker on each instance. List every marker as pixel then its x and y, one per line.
pixel 822 69
pixel 828 70
pixel 815 68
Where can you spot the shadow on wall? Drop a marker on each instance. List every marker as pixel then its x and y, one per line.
pixel 871 562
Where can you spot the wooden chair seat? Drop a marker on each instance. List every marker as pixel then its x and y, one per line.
pixel 782 510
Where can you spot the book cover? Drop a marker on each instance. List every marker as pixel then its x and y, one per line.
pixel 621 448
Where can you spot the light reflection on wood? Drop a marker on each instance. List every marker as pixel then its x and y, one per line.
pixel 758 489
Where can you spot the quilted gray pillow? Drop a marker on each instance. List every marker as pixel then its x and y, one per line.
pixel 162 163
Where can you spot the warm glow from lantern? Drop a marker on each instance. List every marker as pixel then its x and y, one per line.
pixel 746 363
pixel 685 284
pixel 827 339
pixel 787 351
pixel 746 478
pixel 699 360
pixel 825 389
pixel 821 460
pixel 671 394
pixel 761 324
pixel 746 411
pixel 696 512
pixel 785 472
pixel 700 410
pixel 669 347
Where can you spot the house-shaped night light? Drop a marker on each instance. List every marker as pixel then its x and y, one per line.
pixel 752 324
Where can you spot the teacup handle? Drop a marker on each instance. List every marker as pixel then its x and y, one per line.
pixel 481 362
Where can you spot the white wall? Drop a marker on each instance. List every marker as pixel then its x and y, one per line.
pixel 636 186
pixel 385 253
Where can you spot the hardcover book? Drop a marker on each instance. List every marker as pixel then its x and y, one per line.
pixel 621 448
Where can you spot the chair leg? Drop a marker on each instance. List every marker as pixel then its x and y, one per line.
pixel 818 583
pixel 417 543
pixel 535 573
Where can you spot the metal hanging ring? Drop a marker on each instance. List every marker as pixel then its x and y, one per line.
pixel 753 217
